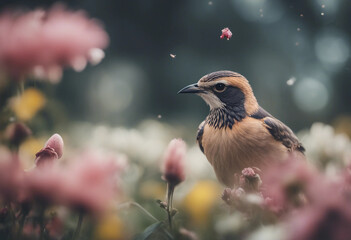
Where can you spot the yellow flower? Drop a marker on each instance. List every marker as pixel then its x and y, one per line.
pixel 28 150
pixel 28 104
pixel 152 189
pixel 201 200
pixel 109 228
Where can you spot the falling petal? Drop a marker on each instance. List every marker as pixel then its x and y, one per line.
pixel 226 33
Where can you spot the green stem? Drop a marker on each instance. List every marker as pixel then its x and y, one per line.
pixel 134 204
pixel 170 191
pixel 79 226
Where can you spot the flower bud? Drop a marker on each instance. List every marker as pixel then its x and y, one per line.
pixel 55 142
pixel 16 133
pixel 173 167
pixel 53 150
pixel 250 180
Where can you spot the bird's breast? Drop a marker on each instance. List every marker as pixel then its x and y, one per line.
pixel 247 144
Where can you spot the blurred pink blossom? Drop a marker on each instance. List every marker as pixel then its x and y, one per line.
pixel 44 184
pixel 88 184
pixel 287 184
pixel 173 162
pixel 53 150
pixel 92 182
pixel 226 33
pixel 330 218
pixel 43 42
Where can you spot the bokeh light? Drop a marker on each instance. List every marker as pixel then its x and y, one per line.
pixel 332 49
pixel 311 95
pixel 259 10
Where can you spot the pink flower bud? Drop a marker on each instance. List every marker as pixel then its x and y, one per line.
pixel 226 33
pixel 173 162
pixel 53 150
pixel 55 142
pixel 248 172
pixel 250 180
pixel 45 156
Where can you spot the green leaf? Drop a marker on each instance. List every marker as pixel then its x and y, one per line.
pixel 155 231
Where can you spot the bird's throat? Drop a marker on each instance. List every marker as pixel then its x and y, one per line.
pixel 226 116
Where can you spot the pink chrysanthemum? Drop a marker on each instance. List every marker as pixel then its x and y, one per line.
pixel 43 42
pixel 173 162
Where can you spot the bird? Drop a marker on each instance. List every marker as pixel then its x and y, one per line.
pixel 238 133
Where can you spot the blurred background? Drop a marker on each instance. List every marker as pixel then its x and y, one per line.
pixel 296 55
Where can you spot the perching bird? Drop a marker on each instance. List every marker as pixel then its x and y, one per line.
pixel 238 133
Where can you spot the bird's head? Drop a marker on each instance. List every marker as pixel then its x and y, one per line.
pixel 225 89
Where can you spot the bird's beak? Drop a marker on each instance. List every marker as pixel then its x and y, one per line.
pixel 192 88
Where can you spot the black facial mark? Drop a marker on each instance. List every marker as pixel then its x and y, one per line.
pixel 234 109
pixel 232 97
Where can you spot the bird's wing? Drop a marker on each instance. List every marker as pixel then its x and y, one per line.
pixel 279 130
pixel 200 132
pixel 261 113
pixel 283 134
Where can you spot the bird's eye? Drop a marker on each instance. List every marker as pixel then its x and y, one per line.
pixel 219 87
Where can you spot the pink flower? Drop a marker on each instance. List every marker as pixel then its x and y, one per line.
pixel 55 142
pixel 53 150
pixel 88 184
pixel 45 156
pixel 329 219
pixel 226 33
pixel 287 184
pixel 43 42
pixel 173 162
pixel 91 182
pixel 44 184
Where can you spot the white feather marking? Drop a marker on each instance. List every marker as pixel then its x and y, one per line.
pixel 212 100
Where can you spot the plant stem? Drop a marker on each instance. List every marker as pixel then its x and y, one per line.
pixel 79 226
pixel 42 223
pixel 20 88
pixel 170 191
pixel 13 221
pixel 135 204
pixel 21 224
